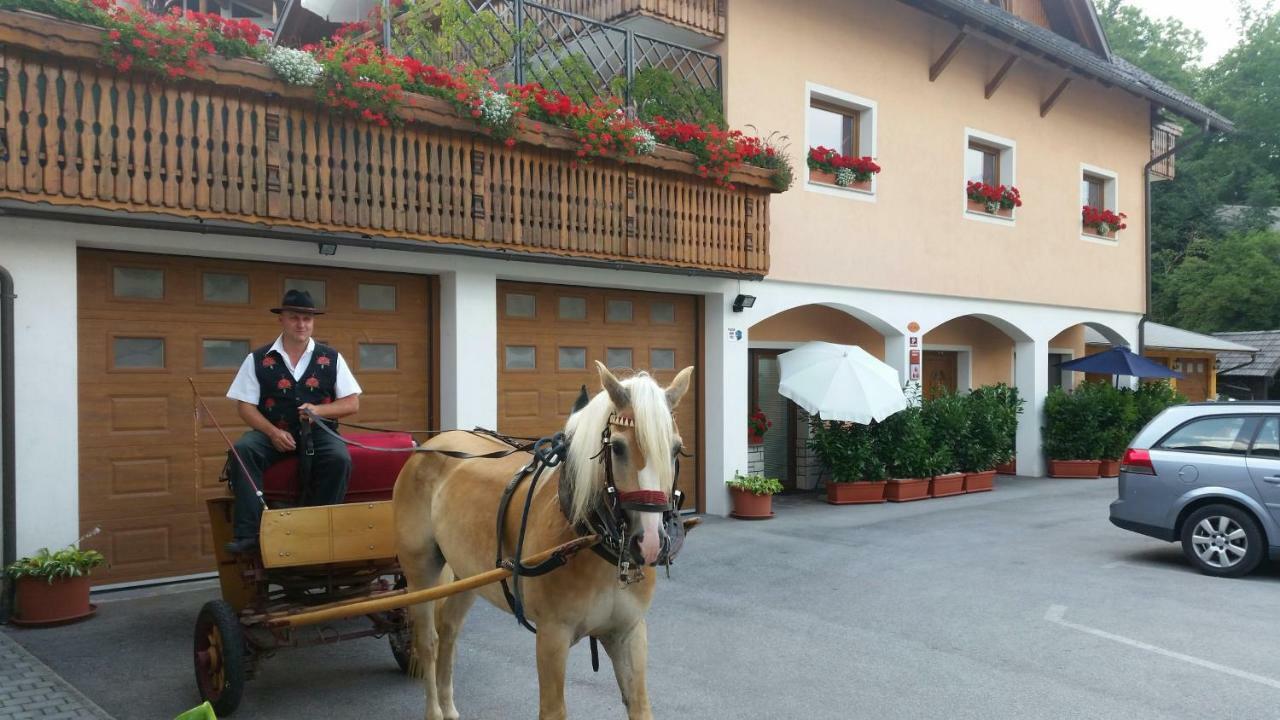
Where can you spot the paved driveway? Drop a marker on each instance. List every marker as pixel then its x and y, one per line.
pixel 1022 603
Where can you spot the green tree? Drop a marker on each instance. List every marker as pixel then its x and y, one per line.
pixel 1228 284
pixel 1165 48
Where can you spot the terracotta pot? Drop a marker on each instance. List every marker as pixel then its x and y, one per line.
pixel 981 209
pixel 980 482
pixel 1009 468
pixel 749 506
pixel 43 603
pixel 855 493
pixel 906 489
pixel 944 485
pixel 1073 468
pixel 1088 230
pixel 825 178
pixel 1109 468
pixel 754 439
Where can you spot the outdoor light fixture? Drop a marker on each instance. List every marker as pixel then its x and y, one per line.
pixel 743 301
pixel 328 248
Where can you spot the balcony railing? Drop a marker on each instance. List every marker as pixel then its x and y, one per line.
pixel 1164 137
pixel 702 16
pixel 242 146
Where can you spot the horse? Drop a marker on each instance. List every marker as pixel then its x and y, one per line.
pixel 625 439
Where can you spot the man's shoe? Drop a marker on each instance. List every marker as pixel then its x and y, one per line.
pixel 241 545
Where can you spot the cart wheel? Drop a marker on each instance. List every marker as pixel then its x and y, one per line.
pixel 219 656
pixel 402 640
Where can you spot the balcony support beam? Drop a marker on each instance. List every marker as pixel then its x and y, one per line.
pixel 1000 75
pixel 1052 100
pixel 944 60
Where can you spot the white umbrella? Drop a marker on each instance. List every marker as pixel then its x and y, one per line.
pixel 840 382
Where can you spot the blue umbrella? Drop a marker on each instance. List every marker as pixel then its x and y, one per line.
pixel 1120 360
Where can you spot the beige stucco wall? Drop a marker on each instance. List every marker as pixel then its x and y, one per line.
pixel 991 351
pixel 914 236
pixel 818 322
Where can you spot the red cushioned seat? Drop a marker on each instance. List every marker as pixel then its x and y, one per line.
pixel 373 473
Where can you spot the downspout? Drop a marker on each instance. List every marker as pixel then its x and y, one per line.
pixel 8 453
pixel 1146 228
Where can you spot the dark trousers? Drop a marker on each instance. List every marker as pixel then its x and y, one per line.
pixel 330 471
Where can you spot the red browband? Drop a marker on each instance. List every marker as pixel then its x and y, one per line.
pixel 643 497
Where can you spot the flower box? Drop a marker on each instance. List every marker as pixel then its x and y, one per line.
pixel 829 167
pixel 1073 468
pixel 1009 468
pixel 1100 222
pixel 980 482
pixel 855 493
pixel 1109 468
pixel 946 485
pixel 981 209
pixel 1093 231
pixel 821 177
pixel 906 489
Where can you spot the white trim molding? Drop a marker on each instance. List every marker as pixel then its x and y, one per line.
pixel 868 119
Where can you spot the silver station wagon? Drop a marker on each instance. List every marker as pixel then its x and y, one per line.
pixel 1207 475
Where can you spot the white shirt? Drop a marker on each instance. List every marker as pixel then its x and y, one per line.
pixel 245 387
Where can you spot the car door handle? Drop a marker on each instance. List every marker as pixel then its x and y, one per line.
pixel 1273 479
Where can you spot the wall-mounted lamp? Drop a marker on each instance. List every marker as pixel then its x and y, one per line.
pixel 328 248
pixel 743 301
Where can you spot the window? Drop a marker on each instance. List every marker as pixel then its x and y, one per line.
pixel 618 357
pixel 989 159
pixel 137 283
pixel 660 359
pixel 313 287
pixel 1098 189
pixel 376 297
pixel 521 357
pixel 223 353
pixel 1210 435
pixel 1267 444
pixel 846 124
pixel 1093 191
pixel 833 126
pixel 139 352
pixel 228 288
pixel 520 305
pixel 573 308
pixel 618 311
pixel 662 313
pixel 982 163
pixel 377 356
pixel 573 358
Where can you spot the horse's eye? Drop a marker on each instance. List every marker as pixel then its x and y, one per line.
pixel 619 449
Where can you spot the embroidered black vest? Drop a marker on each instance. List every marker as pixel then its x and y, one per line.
pixel 280 395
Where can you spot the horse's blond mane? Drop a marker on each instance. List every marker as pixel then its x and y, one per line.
pixel 654 429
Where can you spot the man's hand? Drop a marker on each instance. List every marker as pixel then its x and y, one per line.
pixel 304 407
pixel 282 440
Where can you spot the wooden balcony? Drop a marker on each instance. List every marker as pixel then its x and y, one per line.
pixel 1164 137
pixel 241 149
pixel 705 17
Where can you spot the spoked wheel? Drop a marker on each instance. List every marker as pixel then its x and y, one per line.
pixel 219 656
pixel 402 640
pixel 1222 540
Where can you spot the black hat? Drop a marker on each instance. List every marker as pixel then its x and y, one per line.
pixel 297 301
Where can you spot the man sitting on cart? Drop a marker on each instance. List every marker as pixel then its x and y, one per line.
pixel 276 386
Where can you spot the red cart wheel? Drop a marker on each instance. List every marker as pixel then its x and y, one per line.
pixel 219 656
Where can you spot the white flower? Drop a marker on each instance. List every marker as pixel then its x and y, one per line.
pixel 496 109
pixel 296 67
pixel 645 142
pixel 845 177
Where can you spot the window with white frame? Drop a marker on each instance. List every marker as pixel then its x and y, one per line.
pixel 1098 201
pixel 989 184
pixel 840 141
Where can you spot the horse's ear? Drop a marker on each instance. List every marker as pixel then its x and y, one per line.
pixel 617 393
pixel 583 400
pixel 679 387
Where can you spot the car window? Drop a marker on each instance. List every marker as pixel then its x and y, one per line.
pixel 1267 444
pixel 1211 434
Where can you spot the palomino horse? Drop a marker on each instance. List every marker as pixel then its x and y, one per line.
pixel 445 523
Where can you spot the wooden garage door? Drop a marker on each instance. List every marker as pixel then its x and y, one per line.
pixel 549 337
pixel 148 322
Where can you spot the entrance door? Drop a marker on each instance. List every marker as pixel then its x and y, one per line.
pixel 1194 381
pixel 780 440
pixel 940 371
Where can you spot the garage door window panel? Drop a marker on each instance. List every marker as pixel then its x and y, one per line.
pixel 662 359
pixel 224 288
pixel 573 358
pixel 376 298
pixel 618 358
pixel 520 305
pixel 137 353
pixel 378 356
pixel 135 283
pixel 316 288
pixel 572 308
pixel 662 313
pixel 619 311
pixel 521 357
pixel 222 354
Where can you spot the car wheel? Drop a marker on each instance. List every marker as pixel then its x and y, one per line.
pixel 1222 540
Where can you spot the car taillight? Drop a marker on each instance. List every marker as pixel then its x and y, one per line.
pixel 1137 461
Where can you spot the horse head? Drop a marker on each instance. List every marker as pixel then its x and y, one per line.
pixel 627 436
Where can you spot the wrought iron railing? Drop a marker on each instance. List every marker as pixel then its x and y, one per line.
pixel 524 41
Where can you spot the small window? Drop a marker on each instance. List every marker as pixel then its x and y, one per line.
pixel 315 288
pixel 573 308
pixel 660 359
pixel 618 311
pixel 222 354
pixel 573 358
pixel 1210 435
pixel 138 283
pixel 1267 444
pixel 228 288
pixel 378 356
pixel 1093 191
pixel 521 357
pixel 982 163
pixel 139 352
pixel 662 313
pixel 833 126
pixel 376 297
pixel 520 305
pixel 618 357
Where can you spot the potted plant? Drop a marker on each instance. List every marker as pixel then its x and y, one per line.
pixel 998 200
pixel 848 451
pixel 1114 413
pixel 753 496
pixel 904 445
pixel 946 420
pixel 830 167
pixel 1101 222
pixel 1068 434
pixel 1009 408
pixel 757 425
pixel 53 587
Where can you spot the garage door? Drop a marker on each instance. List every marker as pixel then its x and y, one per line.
pixel 148 322
pixel 549 337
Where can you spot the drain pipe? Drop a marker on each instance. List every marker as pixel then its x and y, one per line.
pixel 8 476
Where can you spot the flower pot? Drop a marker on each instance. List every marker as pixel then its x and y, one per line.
pixel 855 493
pixel 981 209
pixel 755 439
pixel 1093 230
pixel 1109 468
pixel 906 489
pixel 980 482
pixel 1073 468
pixel 749 506
pixel 43 603
pixel 822 177
pixel 1009 468
pixel 944 485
